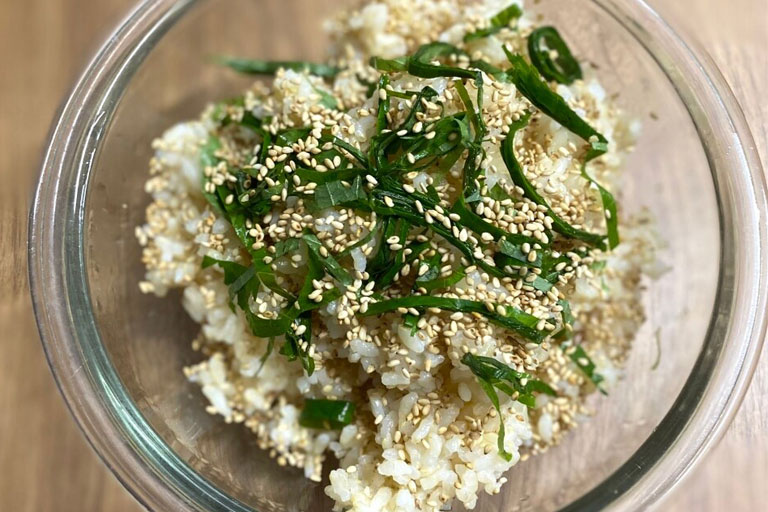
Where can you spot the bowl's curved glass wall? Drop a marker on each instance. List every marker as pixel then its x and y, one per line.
pixel 149 339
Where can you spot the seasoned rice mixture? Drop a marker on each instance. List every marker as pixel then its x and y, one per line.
pixel 404 261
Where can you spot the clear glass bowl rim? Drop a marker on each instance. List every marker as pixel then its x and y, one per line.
pixel 160 480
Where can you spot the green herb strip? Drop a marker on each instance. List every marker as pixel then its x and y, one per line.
pixel 440 283
pixel 327 99
pixel 270 67
pixel 267 353
pixel 490 391
pixel 412 322
pixel 243 288
pixel 527 80
pixel 498 22
pixel 327 414
pixel 208 159
pixel 322 178
pixel 328 262
pixel 349 148
pixel 564 68
pixel 287 246
pixel 513 319
pixel 397 65
pixel 475 114
pixel 404 206
pixel 518 177
pixel 492 374
pixel 297 345
pixel 384 279
pixel 586 365
pixel 579 356
pixel 420 64
pixel 334 193
pixel 247 120
pixel 243 284
pixel 383 107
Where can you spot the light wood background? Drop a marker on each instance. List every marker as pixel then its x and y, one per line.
pixel 46 464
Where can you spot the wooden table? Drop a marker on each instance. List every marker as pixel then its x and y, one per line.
pixel 45 463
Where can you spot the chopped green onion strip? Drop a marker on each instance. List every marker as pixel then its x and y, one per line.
pixel 566 332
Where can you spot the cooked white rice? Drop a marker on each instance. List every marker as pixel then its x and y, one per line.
pixel 423 437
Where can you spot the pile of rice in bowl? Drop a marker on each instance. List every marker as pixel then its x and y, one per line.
pixel 407 257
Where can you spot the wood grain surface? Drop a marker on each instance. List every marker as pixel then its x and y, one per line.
pixel 46 464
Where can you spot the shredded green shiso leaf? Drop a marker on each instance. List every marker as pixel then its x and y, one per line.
pixel 552 57
pixel 497 23
pixel 327 414
pixel 372 181
pixel 270 67
pixel 494 375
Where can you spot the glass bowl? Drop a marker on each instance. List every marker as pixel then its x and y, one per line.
pixel 117 355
